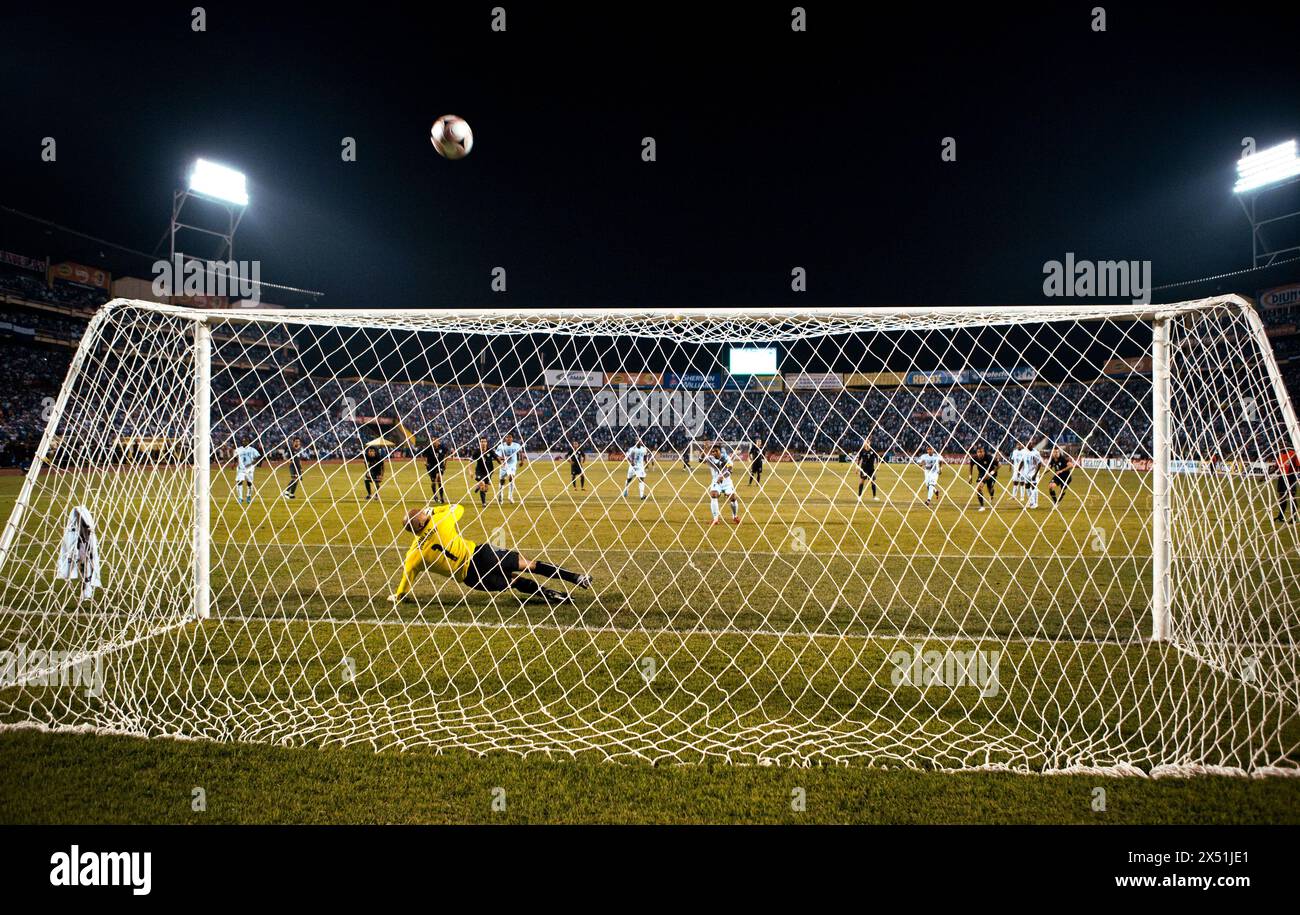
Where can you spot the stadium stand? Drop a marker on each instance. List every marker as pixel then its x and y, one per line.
pixel 40 325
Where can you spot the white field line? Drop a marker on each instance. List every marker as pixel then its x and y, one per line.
pixel 85 655
pixel 684 633
pixel 649 548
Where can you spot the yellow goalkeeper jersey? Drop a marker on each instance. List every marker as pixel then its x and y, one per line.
pixel 438 547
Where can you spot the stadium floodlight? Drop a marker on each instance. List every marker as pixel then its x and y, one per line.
pixel 221 195
pixel 220 182
pixel 1271 166
pixel 1265 189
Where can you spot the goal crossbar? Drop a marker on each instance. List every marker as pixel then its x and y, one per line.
pixel 882 317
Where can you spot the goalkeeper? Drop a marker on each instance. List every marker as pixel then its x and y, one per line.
pixel 439 547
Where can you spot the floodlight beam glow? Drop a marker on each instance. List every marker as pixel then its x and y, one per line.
pixel 213 180
pixel 1275 164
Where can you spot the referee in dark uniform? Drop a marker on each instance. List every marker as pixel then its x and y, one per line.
pixel 866 461
pixel 756 462
pixel 483 470
pixel 1061 465
pixel 296 454
pixel 984 471
pixel 577 478
pixel 376 455
pixel 436 455
pixel 1288 475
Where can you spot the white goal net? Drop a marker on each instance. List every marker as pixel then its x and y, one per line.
pixel 1036 539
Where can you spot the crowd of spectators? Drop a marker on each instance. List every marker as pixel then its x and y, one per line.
pixel 33 288
pixel 47 323
pixel 334 417
pixel 29 379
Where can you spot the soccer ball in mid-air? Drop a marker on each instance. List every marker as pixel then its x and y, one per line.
pixel 452 137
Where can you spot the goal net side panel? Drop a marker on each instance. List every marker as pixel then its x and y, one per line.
pixel 117 451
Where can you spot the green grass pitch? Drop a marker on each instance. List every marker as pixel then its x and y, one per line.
pixel 796 608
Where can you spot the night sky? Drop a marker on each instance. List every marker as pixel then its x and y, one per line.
pixel 775 149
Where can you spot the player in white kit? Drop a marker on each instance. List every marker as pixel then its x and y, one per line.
pixel 638 457
pixel 1018 472
pixel 721 484
pixel 507 453
pixel 246 457
pixel 1032 466
pixel 930 463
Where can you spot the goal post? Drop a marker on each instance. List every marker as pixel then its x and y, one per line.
pixel 1160 511
pixel 202 468
pixel 1062 556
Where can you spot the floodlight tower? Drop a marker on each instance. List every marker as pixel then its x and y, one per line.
pixel 1259 177
pixel 225 191
pixel 215 187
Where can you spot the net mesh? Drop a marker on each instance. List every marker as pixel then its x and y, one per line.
pixel 869 604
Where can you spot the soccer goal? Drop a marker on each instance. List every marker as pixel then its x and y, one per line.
pixel 1062 547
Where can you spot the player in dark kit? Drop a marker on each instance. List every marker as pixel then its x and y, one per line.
pixel 376 456
pixel 483 470
pixel 984 472
pixel 577 479
pixel 756 463
pixel 1061 464
pixel 296 455
pixel 866 460
pixel 1287 465
pixel 436 455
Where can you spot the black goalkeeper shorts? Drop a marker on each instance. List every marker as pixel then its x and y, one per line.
pixel 491 569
